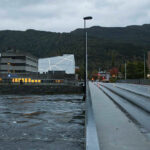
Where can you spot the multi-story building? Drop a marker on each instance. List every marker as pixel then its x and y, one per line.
pixel 18 67
pixel 18 62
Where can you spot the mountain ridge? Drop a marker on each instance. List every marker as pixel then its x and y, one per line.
pixel 105 44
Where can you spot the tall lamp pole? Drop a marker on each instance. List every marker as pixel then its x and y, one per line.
pixel 125 67
pixel 86 57
pixel 144 66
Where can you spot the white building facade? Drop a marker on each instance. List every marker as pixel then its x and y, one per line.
pixel 59 63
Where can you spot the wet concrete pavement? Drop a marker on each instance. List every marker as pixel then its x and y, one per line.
pixel 115 130
pixel 42 122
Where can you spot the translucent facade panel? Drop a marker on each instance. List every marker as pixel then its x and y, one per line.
pixel 59 63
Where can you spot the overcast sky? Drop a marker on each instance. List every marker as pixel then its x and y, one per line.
pixel 67 15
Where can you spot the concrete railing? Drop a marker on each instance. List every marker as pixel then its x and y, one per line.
pixel 92 142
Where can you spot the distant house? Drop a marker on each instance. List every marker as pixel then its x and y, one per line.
pixel 103 75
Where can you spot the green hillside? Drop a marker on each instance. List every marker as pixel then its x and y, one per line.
pixel 106 45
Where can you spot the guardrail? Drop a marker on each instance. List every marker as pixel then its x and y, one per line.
pixel 135 81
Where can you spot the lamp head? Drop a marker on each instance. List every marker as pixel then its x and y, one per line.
pixel 88 18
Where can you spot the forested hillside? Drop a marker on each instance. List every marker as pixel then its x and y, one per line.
pixel 106 46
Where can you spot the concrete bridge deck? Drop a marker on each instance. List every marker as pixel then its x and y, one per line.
pixel 114 130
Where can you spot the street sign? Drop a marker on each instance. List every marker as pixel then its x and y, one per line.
pixel 12 75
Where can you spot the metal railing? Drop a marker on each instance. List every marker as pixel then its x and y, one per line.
pixel 135 81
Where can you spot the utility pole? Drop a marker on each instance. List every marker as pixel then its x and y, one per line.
pixel 144 66
pixel 125 67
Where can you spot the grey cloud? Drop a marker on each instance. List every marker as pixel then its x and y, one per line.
pixel 18 3
pixel 66 15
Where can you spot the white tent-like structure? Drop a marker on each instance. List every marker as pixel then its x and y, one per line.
pixel 59 63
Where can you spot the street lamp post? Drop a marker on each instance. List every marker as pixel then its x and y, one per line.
pixel 125 67
pixel 144 66
pixel 86 57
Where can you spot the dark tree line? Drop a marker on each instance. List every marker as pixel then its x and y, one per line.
pixel 107 47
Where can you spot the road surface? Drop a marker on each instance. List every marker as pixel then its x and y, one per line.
pixel 116 129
